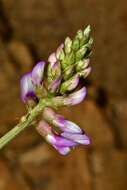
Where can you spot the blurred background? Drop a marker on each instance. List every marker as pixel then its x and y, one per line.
pixel 29 31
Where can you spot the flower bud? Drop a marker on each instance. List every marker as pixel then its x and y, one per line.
pixel 38 72
pixel 84 36
pixel 80 34
pixel 60 52
pixel 54 85
pixel 27 88
pixel 75 98
pixel 84 73
pixel 54 71
pixel 52 58
pixel 81 65
pixel 68 45
pixel 68 60
pixel 68 72
pixel 75 44
pixel 89 44
pixel 70 84
pixel 81 53
pixel 87 31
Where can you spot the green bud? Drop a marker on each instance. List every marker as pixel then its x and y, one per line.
pixel 60 52
pixel 68 72
pixel 70 84
pixel 84 73
pixel 80 34
pixel 54 71
pixel 68 45
pixel 89 44
pixel 85 36
pixel 75 44
pixel 81 53
pixel 68 60
pixel 87 31
pixel 81 65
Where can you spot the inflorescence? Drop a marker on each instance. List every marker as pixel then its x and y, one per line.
pixel 59 78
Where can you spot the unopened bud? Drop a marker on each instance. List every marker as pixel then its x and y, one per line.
pixel 53 87
pixel 60 52
pixel 68 45
pixel 68 60
pixel 52 58
pixel 70 84
pixel 87 31
pixel 89 44
pixel 84 73
pixel 54 71
pixel 75 44
pixel 75 97
pixel 80 34
pixel 68 72
pixel 81 53
pixel 81 65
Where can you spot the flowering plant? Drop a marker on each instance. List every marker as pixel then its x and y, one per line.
pixel 52 85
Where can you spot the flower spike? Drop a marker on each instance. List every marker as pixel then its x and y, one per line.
pixel 50 86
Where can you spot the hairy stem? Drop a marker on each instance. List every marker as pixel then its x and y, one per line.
pixel 27 120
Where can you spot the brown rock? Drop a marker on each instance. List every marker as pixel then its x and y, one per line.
pixel 109 170
pixel 47 169
pixel 36 156
pixel 118 114
pixel 9 181
pixel 20 55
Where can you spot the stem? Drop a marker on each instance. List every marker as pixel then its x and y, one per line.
pixel 27 120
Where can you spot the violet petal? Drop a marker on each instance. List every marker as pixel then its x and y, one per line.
pixel 27 87
pixel 79 138
pixel 66 125
pixel 76 97
pixel 38 72
pixel 62 150
pixel 60 141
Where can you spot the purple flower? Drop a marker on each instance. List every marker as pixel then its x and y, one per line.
pixel 76 97
pixel 38 72
pixel 60 122
pixel 27 87
pixel 69 130
pixel 61 144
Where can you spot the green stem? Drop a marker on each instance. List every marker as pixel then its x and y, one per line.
pixel 27 120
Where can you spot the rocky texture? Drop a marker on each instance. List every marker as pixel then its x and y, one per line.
pixel 29 31
pixel 108 169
